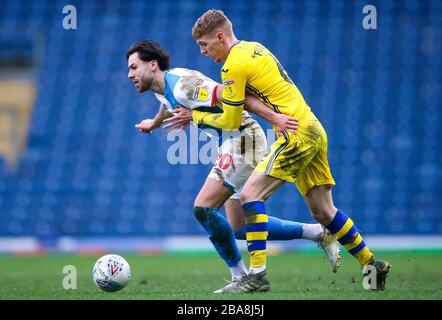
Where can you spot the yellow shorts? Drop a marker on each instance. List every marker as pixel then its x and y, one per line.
pixel 300 157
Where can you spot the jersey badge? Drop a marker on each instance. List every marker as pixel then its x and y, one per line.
pixel 229 88
pixel 200 94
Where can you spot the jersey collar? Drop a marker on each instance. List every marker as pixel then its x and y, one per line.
pixel 236 42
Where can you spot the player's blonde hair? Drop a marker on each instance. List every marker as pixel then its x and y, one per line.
pixel 211 20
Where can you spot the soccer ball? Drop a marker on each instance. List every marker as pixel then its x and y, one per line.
pixel 111 273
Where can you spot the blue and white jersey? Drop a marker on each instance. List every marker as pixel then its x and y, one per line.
pixel 191 89
pixel 187 88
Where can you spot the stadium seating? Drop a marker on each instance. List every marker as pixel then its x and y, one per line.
pixel 88 172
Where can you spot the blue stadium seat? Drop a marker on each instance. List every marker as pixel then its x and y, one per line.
pixel 87 172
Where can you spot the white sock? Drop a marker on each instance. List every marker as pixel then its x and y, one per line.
pixel 238 271
pixel 312 231
pixel 257 270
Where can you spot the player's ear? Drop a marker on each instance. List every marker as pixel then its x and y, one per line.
pixel 153 65
pixel 220 36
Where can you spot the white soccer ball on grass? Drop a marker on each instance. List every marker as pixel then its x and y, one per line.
pixel 111 273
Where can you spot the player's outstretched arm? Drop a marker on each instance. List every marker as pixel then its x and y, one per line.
pixel 148 125
pixel 281 121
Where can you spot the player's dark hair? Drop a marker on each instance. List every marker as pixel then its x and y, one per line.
pixel 149 50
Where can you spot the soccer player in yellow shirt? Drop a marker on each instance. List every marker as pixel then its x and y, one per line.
pixel 299 157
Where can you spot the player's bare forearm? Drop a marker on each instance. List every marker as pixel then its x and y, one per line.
pixel 281 122
pixel 148 125
pixel 257 107
pixel 162 115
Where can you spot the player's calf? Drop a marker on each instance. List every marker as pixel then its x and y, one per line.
pixel 222 237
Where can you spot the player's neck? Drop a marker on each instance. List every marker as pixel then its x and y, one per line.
pixel 158 84
pixel 230 42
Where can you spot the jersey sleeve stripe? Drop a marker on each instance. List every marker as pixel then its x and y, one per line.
pixel 233 103
pixel 213 96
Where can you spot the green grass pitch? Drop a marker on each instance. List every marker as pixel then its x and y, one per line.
pixel 293 275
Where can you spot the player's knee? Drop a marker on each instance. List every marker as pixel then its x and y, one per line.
pixel 247 196
pixel 316 214
pixel 213 222
pixel 201 213
pixel 322 215
pixel 208 202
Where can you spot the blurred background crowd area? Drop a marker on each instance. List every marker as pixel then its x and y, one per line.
pixel 72 163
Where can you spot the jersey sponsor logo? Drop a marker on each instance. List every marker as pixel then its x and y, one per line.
pixel 225 161
pixel 257 52
pixel 229 88
pixel 200 94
